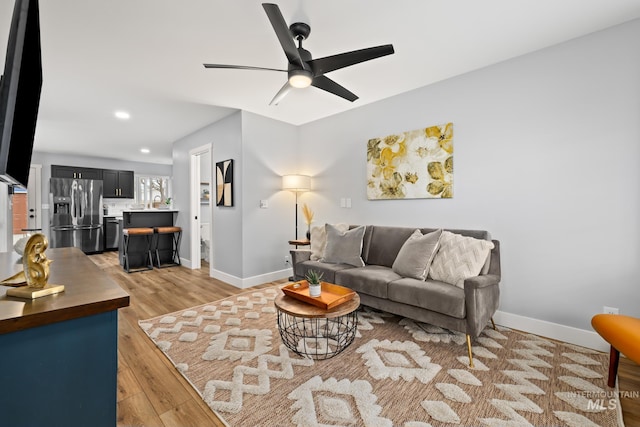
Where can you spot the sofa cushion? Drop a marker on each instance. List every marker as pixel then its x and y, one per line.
pixel 319 240
pixel 370 279
pixel 430 294
pixel 416 255
pixel 344 247
pixel 384 243
pixel 328 270
pixel 459 258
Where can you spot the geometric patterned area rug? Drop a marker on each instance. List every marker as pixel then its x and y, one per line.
pixel 397 372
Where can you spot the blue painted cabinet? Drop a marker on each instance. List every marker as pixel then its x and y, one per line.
pixel 59 353
pixel 62 374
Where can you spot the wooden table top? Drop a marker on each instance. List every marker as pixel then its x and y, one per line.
pixel 300 242
pixel 298 308
pixel 88 291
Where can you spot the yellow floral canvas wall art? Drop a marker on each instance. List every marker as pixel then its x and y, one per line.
pixel 411 165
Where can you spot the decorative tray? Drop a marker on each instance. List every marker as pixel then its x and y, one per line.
pixel 330 297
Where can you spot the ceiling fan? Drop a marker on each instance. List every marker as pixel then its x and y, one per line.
pixel 303 71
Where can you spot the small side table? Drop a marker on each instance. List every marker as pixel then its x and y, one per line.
pixel 300 242
pixel 314 332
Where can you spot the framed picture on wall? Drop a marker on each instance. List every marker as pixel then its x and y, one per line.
pixel 224 183
pixel 416 164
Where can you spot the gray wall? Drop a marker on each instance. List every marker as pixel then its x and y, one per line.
pixel 247 240
pixel 225 136
pixel 269 151
pixel 546 158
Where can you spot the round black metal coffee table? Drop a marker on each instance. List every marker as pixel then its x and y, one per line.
pixel 315 332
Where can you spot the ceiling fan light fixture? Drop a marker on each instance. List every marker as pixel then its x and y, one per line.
pixel 303 70
pixel 300 78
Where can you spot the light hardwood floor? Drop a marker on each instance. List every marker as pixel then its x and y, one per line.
pixel 152 393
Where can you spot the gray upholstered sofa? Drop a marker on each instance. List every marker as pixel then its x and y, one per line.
pixel 466 309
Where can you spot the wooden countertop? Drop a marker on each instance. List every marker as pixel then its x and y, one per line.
pixel 88 291
pixel 297 308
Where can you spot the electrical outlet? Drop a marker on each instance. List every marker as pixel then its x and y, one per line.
pixel 287 259
pixel 610 310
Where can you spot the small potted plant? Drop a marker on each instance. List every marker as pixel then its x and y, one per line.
pixel 314 277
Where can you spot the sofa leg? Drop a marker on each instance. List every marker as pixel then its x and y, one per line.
pixel 494 324
pixel 469 349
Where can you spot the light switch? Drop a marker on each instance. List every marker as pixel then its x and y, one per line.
pixel 343 202
pixel 348 202
pixel 264 204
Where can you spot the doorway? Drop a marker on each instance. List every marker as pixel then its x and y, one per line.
pixel 202 208
pixel 27 205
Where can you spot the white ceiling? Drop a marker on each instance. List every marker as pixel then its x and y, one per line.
pixel 145 56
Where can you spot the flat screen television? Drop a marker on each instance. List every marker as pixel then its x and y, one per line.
pixel 20 93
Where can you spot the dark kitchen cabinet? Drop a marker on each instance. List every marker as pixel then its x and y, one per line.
pixel 75 172
pixel 118 184
pixel 111 235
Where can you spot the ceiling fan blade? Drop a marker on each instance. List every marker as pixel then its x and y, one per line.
pixel 284 36
pixel 341 60
pixel 241 67
pixel 284 90
pixel 325 83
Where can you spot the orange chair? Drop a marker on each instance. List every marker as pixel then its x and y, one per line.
pixel 623 333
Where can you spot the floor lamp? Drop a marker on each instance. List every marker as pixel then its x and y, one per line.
pixel 297 184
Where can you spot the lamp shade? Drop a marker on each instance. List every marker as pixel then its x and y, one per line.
pixel 296 182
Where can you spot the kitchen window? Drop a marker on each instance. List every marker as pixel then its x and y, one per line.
pixel 154 191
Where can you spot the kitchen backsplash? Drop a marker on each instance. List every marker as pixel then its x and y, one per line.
pixel 116 206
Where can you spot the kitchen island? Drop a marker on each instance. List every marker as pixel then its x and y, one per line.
pixel 60 352
pixel 146 218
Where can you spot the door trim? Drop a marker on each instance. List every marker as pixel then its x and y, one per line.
pixel 34 188
pixel 194 204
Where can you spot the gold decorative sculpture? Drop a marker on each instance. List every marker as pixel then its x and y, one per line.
pixel 36 270
pixel 35 262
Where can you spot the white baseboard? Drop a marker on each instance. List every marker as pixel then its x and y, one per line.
pixel 251 281
pixel 556 331
pixel 246 282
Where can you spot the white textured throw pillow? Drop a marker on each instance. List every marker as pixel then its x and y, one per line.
pixel 459 258
pixel 319 240
pixel 416 254
pixel 344 247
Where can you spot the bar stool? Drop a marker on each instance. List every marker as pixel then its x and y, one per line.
pixel 176 233
pixel 128 233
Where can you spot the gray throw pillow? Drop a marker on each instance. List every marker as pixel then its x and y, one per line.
pixel 344 247
pixel 319 240
pixel 416 255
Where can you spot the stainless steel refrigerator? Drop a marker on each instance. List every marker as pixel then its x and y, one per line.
pixel 76 214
